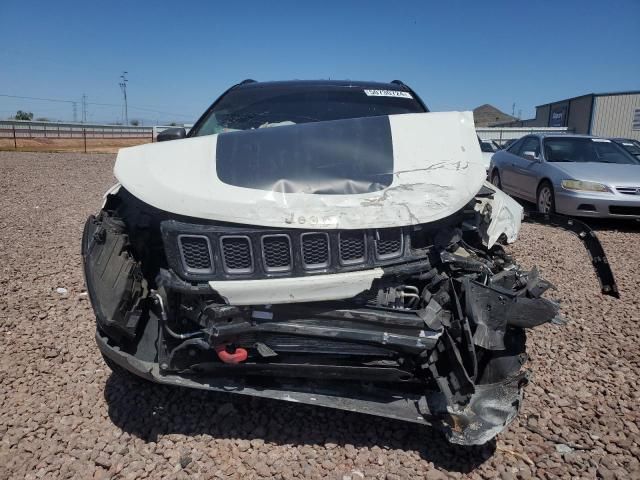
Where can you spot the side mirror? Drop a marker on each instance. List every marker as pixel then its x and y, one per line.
pixel 172 134
pixel 531 156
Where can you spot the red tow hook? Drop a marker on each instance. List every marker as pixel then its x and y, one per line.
pixel 238 355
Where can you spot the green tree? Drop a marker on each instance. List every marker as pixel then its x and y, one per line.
pixel 20 115
pixel 135 123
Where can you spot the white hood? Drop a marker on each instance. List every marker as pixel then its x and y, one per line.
pixel 437 168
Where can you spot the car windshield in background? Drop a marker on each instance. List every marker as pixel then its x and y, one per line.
pixel 584 150
pixel 631 147
pixel 250 108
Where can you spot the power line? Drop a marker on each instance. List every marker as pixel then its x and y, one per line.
pixel 143 109
pixel 36 98
pixel 131 107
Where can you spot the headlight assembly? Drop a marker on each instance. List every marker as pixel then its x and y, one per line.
pixel 580 186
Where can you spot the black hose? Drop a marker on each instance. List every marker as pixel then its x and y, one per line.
pixel 165 323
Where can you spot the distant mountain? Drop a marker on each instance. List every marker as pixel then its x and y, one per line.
pixel 486 115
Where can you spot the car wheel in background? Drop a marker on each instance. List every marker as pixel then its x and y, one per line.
pixel 545 200
pixel 495 179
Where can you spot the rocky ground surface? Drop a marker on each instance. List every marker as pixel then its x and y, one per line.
pixel 63 414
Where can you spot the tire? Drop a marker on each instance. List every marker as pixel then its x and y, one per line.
pixel 545 199
pixel 495 180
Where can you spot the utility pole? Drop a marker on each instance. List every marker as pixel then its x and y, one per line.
pixel 513 109
pixel 84 108
pixel 123 87
pixel 75 111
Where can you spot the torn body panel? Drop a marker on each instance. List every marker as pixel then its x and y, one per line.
pixel 589 240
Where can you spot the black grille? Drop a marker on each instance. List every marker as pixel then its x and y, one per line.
pixel 621 210
pixel 388 243
pixel 629 190
pixel 196 253
pixel 352 247
pixel 252 252
pixel 276 251
pixel 315 250
pixel 236 254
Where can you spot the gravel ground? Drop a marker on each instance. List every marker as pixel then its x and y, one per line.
pixel 94 145
pixel 63 414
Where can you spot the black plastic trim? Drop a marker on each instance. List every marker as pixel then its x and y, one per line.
pixel 172 229
pixel 589 240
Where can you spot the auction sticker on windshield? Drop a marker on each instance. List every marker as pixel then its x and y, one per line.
pixel 387 93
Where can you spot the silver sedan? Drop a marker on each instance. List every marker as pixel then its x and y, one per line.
pixel 570 174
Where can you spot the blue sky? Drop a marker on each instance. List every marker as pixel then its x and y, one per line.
pixel 181 55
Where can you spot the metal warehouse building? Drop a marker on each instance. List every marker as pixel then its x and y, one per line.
pixel 603 114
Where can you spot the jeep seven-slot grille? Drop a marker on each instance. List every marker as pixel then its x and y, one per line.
pixel 276 252
pixel 223 252
pixel 388 243
pixel 196 253
pixel 236 254
pixel 315 250
pixel 352 247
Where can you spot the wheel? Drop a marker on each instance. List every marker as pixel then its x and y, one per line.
pixel 495 180
pixel 546 202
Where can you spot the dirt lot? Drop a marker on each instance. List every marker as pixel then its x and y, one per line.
pixel 94 145
pixel 63 414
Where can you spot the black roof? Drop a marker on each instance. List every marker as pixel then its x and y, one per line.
pixel 396 85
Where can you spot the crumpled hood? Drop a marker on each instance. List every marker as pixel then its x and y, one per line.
pixel 371 172
pixel 609 173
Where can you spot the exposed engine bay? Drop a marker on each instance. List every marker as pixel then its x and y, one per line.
pixel 424 321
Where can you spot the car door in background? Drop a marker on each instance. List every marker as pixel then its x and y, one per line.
pixel 525 168
pixel 507 159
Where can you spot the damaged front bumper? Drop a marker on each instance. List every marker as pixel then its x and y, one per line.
pixel 424 323
pixel 489 410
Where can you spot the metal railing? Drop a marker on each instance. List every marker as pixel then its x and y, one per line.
pixel 28 129
pixel 501 135
pixel 24 129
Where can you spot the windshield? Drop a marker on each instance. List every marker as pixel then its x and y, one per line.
pixel 585 150
pixel 269 106
pixel 632 147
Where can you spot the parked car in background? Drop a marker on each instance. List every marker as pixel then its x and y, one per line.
pixel 508 143
pixel 630 145
pixel 570 174
pixel 487 149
